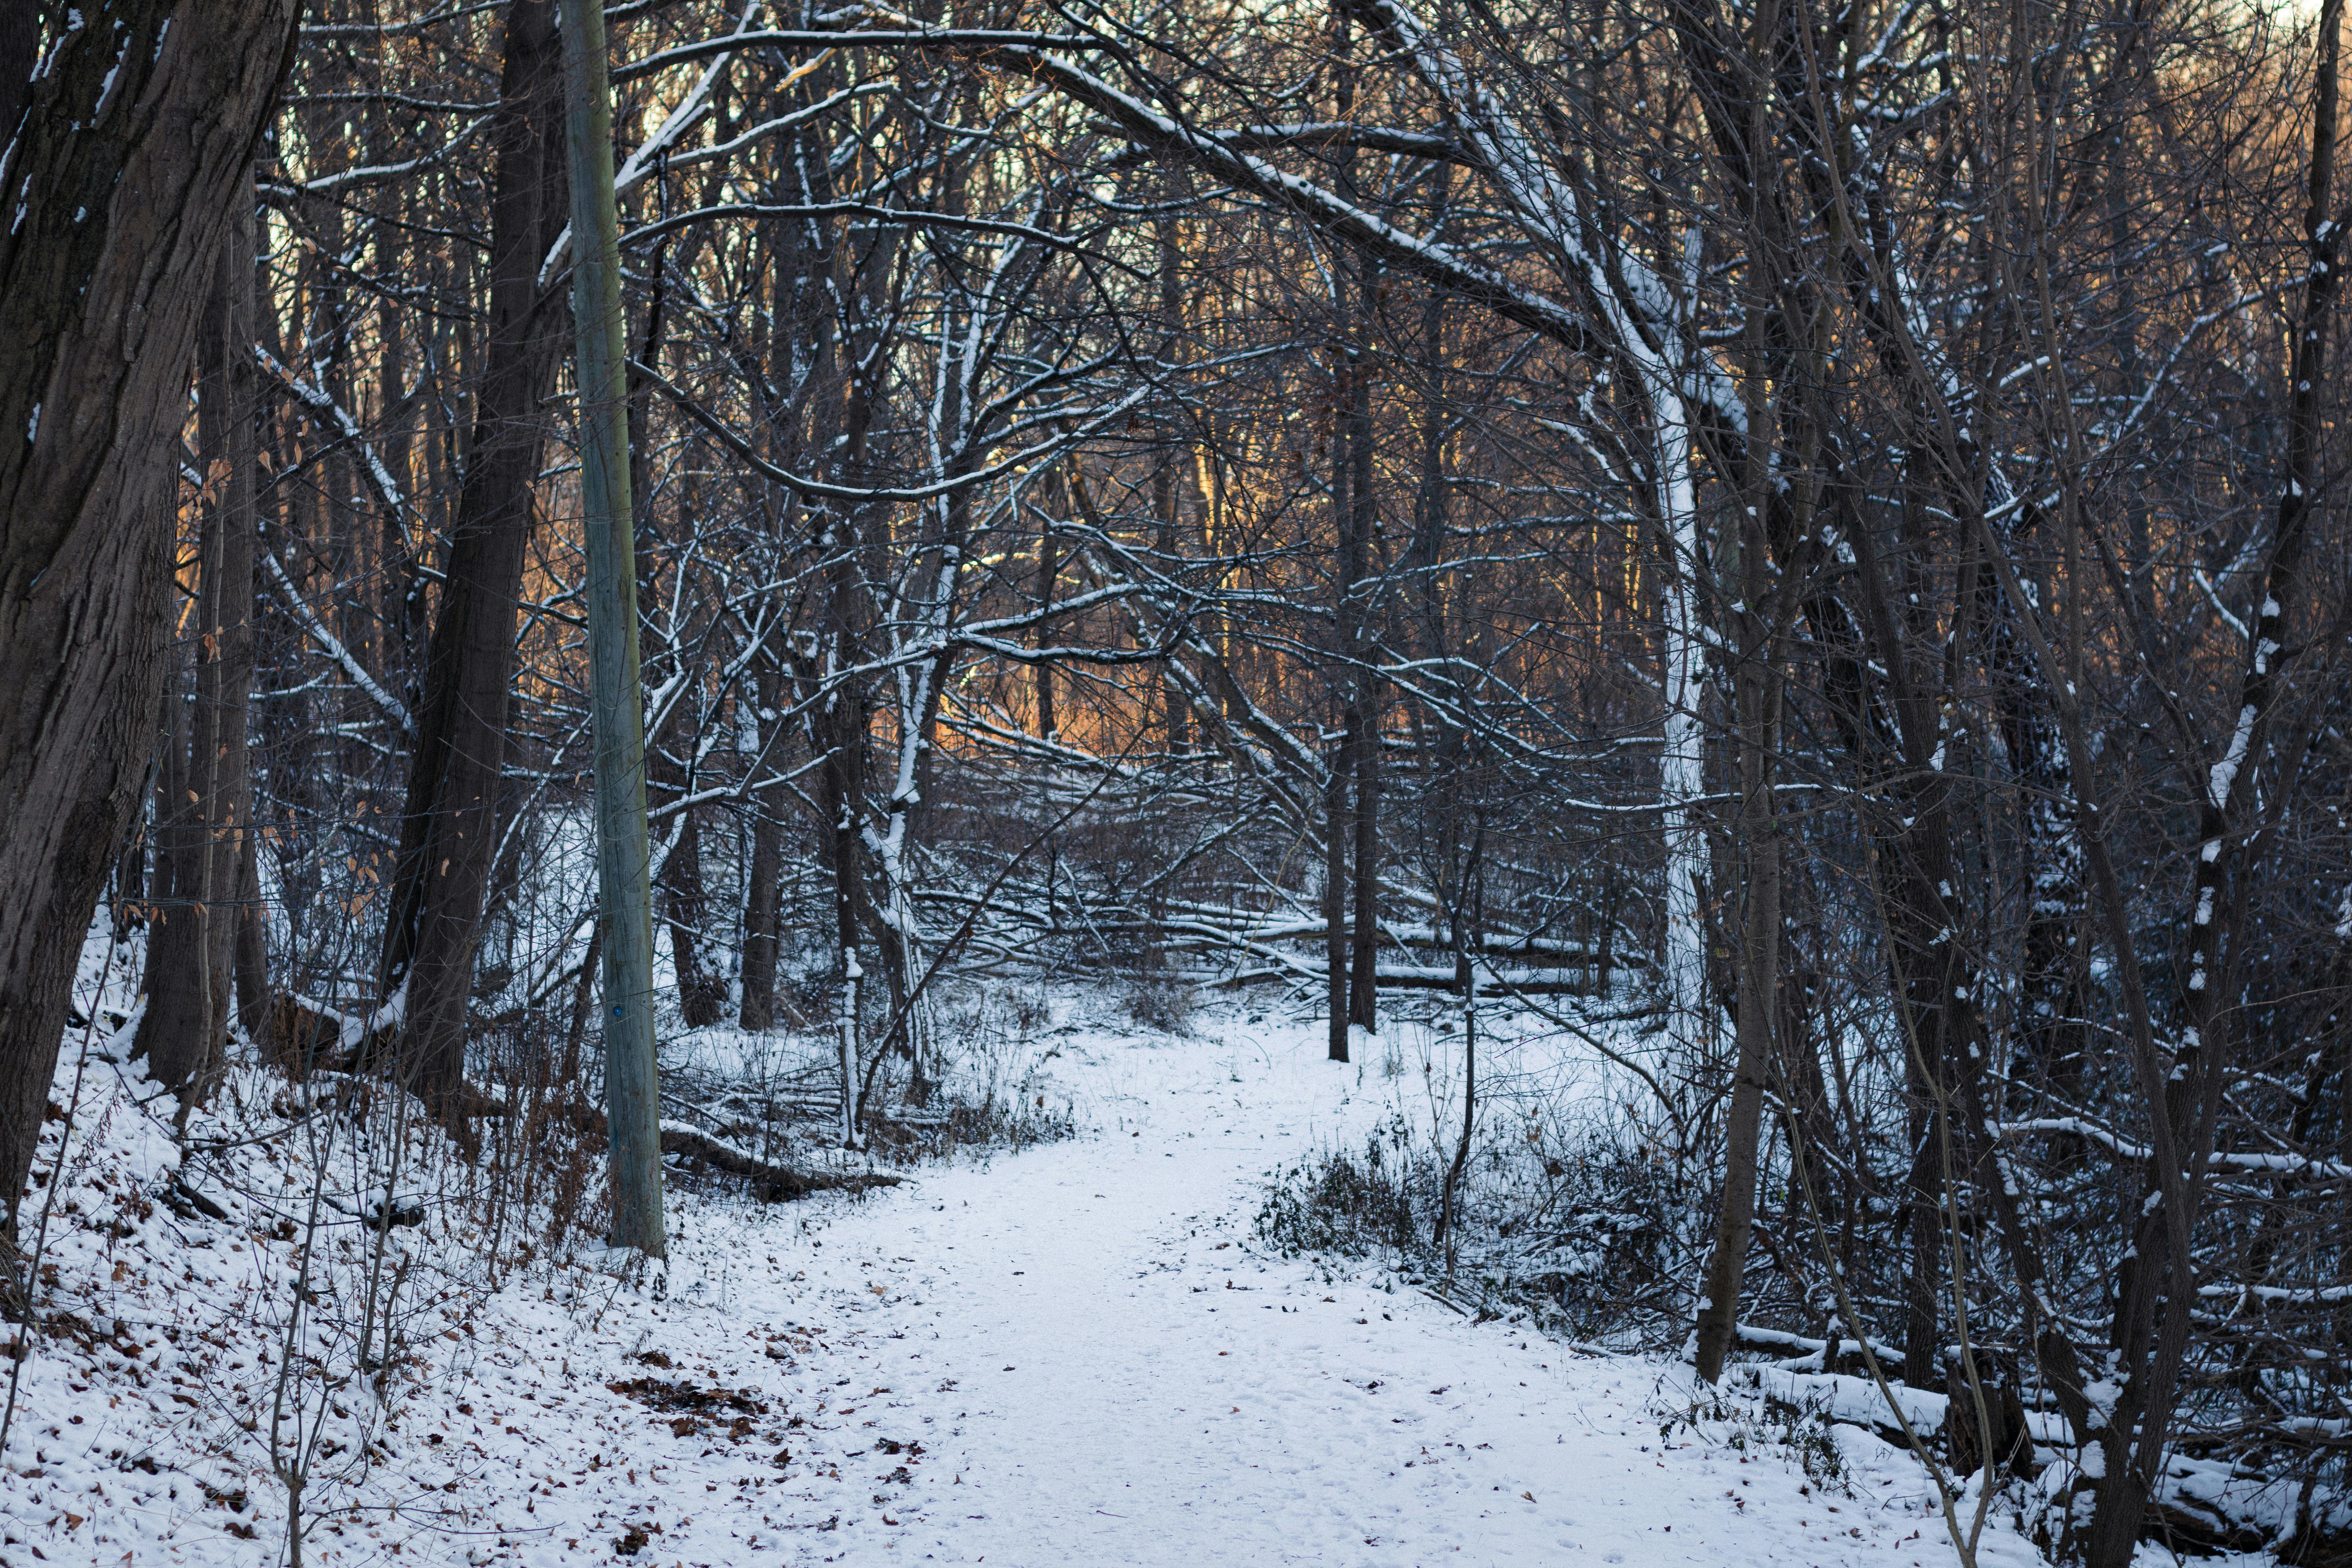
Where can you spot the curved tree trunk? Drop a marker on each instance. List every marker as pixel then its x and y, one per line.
pixel 135 144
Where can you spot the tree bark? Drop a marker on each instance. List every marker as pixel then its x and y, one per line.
pixel 1363 978
pixel 762 903
pixel 1759 1001
pixel 20 51
pixel 253 989
pixel 841 792
pixel 191 948
pixel 1335 895
pixel 841 723
pixel 1363 701
pixel 1049 722
pixel 134 145
pixel 2154 1324
pixel 449 819
pixel 686 905
pixel 1166 497
pixel 796 290
pixel 1338 825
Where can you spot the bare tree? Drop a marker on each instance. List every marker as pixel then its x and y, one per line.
pixel 135 143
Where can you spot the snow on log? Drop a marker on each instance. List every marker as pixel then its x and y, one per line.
pixel 769 1183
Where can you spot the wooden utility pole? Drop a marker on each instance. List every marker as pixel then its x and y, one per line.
pixel 632 1091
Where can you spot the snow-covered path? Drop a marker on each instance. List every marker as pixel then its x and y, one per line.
pixel 1100 1370
pixel 1070 1355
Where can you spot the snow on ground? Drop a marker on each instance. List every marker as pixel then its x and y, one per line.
pixel 1073 1354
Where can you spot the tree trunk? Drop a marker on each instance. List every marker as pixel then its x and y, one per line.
pixel 253 989
pixel 686 905
pixel 1468 924
pixel 670 757
pixel 1340 760
pixel 1363 701
pixel 1335 895
pixel 2154 1327
pixel 131 878
pixel 126 168
pixel 609 523
pixel 842 789
pixel 763 899
pixel 449 820
pixel 1339 823
pixel 839 726
pixel 1759 1001
pixel 1363 980
pixel 1166 503
pixel 1049 723
pixel 172 818
pixel 1928 1128
pixel 191 950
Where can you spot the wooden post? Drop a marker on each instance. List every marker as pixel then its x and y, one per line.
pixel 632 1088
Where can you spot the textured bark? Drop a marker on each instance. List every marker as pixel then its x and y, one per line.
pixel 133 147
pixel 170 767
pixel 191 948
pixel 839 729
pixel 130 894
pixel 448 824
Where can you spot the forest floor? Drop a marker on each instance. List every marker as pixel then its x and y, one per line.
pixel 1072 1354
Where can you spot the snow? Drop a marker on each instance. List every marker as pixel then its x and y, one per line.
pixel 1853 1399
pixel 2224 772
pixel 1075 1353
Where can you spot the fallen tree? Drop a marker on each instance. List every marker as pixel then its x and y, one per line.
pixel 771 1184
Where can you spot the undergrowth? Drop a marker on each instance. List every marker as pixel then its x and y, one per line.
pixel 1802 1434
pixel 973 1075
pixel 1588 1241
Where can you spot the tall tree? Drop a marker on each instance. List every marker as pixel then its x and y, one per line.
pixel 208 837
pixel 448 830
pixel 126 171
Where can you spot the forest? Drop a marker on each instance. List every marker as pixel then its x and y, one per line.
pixel 1788 553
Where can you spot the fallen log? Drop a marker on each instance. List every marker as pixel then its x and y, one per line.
pixel 1491 982
pixel 769 1183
